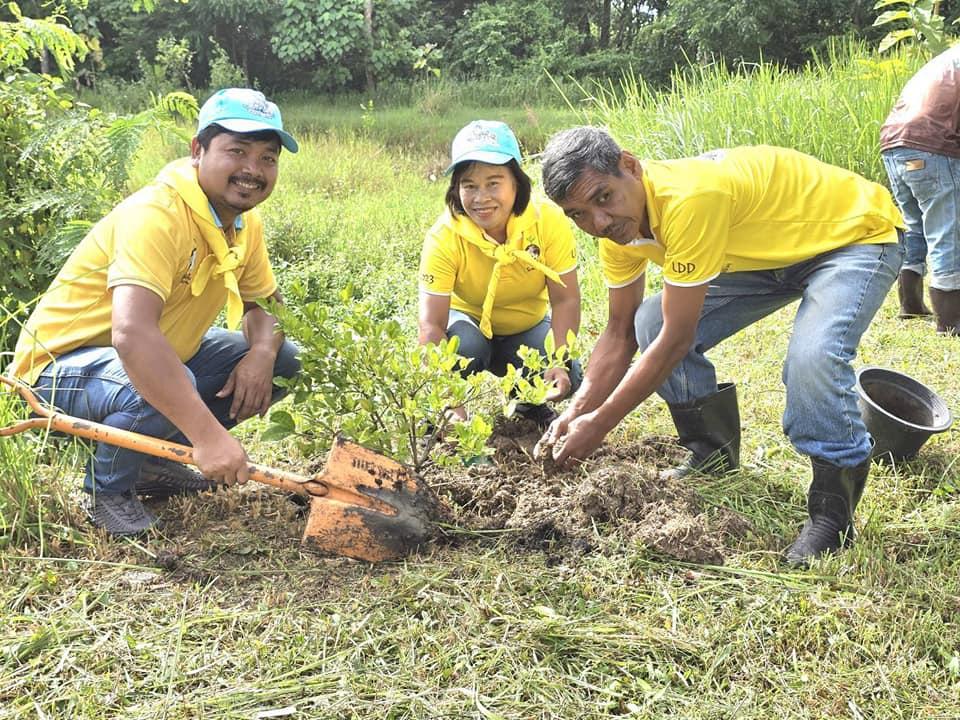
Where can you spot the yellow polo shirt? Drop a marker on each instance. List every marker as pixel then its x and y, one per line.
pixel 748 208
pixel 452 264
pixel 156 239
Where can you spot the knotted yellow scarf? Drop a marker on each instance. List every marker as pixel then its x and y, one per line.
pixel 224 259
pixel 503 254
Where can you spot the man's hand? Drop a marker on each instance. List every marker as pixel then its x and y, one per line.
pixel 557 429
pixel 222 459
pixel 251 384
pixel 560 379
pixel 583 435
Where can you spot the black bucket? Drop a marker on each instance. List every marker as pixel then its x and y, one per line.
pixel 899 412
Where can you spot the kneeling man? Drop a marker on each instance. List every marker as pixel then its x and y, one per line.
pixel 123 336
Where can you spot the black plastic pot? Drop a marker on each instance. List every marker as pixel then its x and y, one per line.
pixel 900 412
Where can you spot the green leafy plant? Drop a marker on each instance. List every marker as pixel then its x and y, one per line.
pixel 365 378
pixel 526 384
pixel 924 25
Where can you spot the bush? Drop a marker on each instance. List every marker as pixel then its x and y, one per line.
pixel 365 378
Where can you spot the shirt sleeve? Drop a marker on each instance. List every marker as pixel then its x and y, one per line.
pixel 559 246
pixel 257 280
pixel 620 264
pixel 148 249
pixel 695 235
pixel 438 262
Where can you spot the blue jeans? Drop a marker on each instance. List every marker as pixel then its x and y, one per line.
pixel 839 292
pixel 90 383
pixel 929 198
pixel 496 353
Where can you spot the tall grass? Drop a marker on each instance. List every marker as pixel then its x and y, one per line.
pixel 832 108
pixel 34 509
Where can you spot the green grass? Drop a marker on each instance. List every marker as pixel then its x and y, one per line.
pixel 832 109
pixel 243 623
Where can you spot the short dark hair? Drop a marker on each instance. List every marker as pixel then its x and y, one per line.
pixel 522 179
pixel 211 131
pixel 570 152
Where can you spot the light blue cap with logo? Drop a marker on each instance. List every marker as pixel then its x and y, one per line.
pixel 242 110
pixel 488 141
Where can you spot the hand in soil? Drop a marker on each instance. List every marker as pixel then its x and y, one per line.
pixel 583 436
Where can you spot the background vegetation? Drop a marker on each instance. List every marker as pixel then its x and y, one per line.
pixel 218 615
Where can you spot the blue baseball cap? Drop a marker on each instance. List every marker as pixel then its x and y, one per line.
pixel 488 141
pixel 242 110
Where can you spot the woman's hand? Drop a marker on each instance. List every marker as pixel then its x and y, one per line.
pixel 560 379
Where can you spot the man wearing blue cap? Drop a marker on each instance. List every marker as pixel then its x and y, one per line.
pixel 124 335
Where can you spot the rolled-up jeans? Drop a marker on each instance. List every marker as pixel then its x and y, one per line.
pixel 839 292
pixel 90 383
pixel 926 186
pixel 494 354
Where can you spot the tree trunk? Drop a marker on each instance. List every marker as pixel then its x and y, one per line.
pixel 368 29
pixel 605 25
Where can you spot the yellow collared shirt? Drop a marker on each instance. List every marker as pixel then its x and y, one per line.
pixel 451 263
pixel 748 208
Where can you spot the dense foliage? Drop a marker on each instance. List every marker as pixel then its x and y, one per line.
pixel 336 45
pixel 63 164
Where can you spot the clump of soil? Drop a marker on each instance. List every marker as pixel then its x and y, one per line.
pixel 616 494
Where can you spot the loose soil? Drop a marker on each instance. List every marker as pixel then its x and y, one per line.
pixel 615 495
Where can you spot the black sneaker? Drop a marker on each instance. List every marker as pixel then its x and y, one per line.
pixel 542 415
pixel 121 514
pixel 164 478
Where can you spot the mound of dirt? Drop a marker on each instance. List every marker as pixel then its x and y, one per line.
pixel 615 494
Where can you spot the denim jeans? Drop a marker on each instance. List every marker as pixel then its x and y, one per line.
pixel 90 383
pixel 929 198
pixel 494 354
pixel 839 292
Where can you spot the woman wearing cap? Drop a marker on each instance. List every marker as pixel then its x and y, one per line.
pixel 499 268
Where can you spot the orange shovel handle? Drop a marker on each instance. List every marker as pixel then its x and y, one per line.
pixel 52 420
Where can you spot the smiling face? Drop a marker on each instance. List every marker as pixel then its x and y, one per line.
pixel 610 206
pixel 236 172
pixel 488 193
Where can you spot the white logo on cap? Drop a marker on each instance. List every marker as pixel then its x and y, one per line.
pixel 259 106
pixel 481 135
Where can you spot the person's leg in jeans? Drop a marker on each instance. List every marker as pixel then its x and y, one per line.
pixel 707 415
pixel 90 383
pixel 473 344
pixel 219 353
pixel 842 292
pixel 905 184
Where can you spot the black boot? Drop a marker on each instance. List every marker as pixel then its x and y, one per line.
pixel 910 292
pixel 946 306
pixel 710 429
pixel 833 496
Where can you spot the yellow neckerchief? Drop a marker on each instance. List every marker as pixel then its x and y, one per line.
pixel 503 254
pixel 224 259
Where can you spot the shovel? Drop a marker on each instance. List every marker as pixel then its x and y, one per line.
pixel 363 505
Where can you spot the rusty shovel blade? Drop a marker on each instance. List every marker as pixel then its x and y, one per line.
pixel 389 515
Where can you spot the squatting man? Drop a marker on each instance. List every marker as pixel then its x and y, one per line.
pixel 739 234
pixel 124 335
